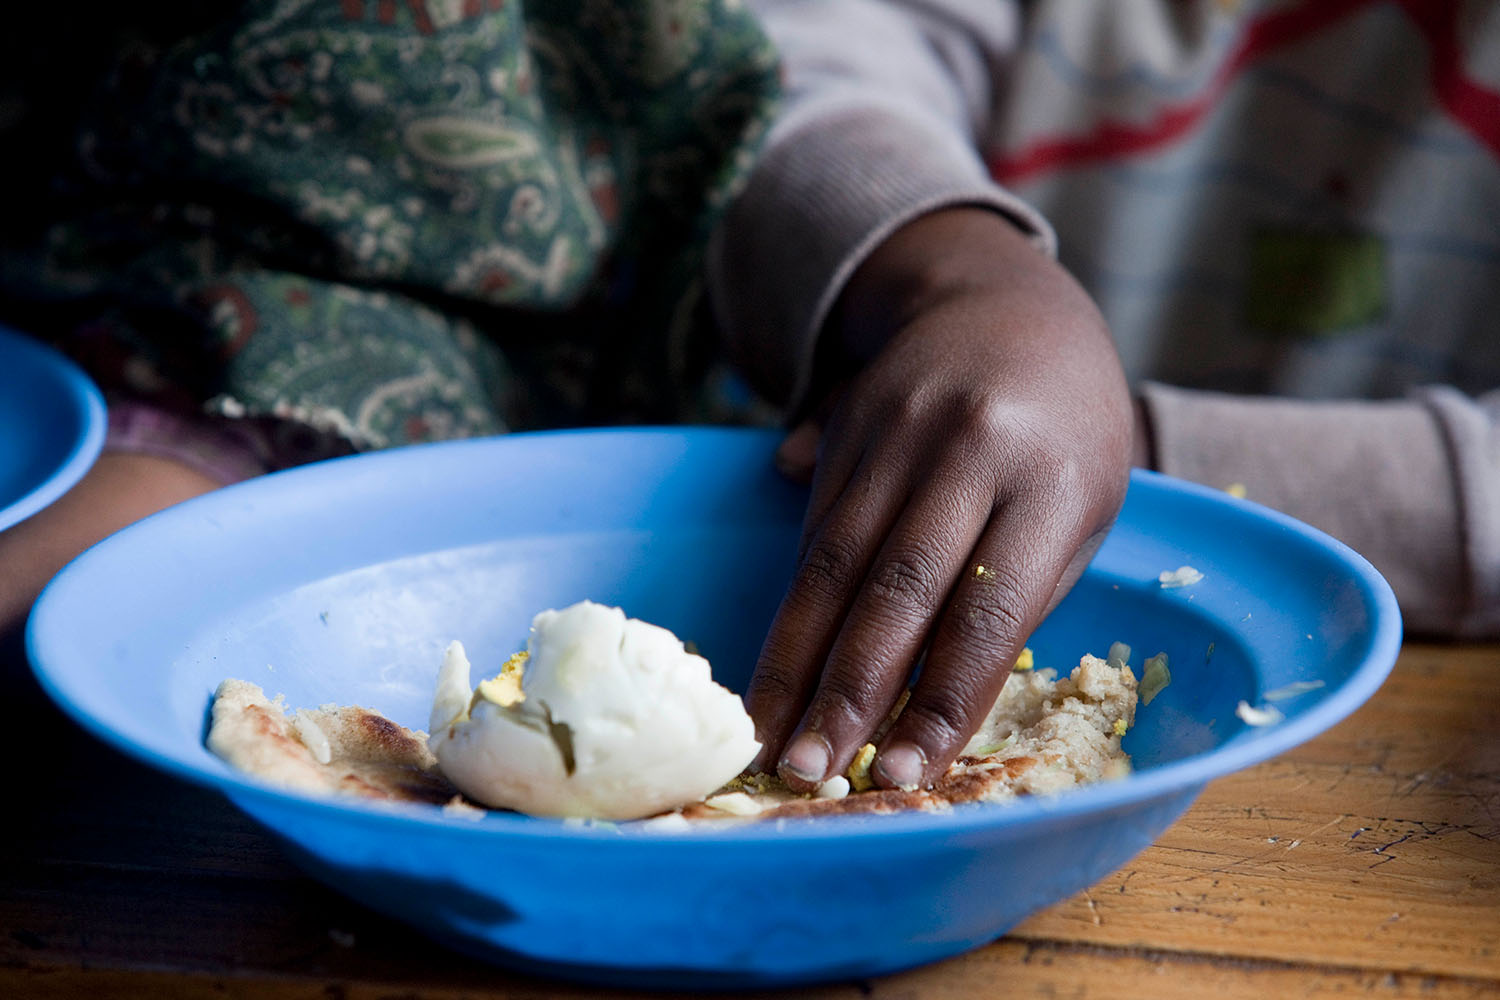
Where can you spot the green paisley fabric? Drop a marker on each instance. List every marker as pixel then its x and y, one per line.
pixel 405 221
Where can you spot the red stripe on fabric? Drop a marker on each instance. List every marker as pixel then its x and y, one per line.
pixel 1472 105
pixel 419 12
pixel 1109 139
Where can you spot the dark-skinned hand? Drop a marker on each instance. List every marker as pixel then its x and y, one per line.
pixel 970 454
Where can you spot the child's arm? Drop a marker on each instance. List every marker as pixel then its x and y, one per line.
pixel 979 444
pixel 885 104
pixel 119 489
pixel 967 469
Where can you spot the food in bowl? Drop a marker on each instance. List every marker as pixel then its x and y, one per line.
pixel 609 718
pixel 329 750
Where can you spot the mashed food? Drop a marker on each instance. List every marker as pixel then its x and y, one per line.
pixel 610 718
pixel 1044 735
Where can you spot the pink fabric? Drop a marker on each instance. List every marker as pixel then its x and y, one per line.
pixel 222 450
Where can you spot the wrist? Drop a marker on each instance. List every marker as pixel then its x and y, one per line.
pixel 948 252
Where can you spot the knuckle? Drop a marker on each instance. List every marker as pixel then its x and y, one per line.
pixel 848 693
pixel 906 408
pixel 909 576
pixel 1050 471
pixel 940 719
pixel 988 617
pixel 999 419
pixel 775 682
pixel 1007 441
pixel 830 565
pixel 985 417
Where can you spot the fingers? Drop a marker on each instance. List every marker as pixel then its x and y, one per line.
pixel 881 561
pixel 837 548
pixel 881 636
pixel 897 527
pixel 1020 568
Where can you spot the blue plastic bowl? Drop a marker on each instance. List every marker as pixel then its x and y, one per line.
pixel 51 426
pixel 343 582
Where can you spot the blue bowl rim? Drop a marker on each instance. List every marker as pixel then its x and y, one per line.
pixel 1379 654
pixel 37 359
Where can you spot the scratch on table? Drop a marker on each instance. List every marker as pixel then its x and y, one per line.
pixel 1093 909
pixel 1383 925
pixel 1417 781
pixel 1223 918
pixel 1384 849
pixel 1343 775
pixel 1419 831
pixel 1485 801
pixel 1341 817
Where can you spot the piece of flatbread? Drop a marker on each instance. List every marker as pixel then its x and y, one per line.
pixel 348 750
pixel 1045 734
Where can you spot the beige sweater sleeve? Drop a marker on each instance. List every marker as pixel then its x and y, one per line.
pixel 1413 485
pixel 883 104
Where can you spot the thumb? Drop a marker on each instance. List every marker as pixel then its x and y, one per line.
pixel 798 454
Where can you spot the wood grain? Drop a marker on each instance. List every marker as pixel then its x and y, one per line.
pixel 1376 845
pixel 1008 969
pixel 1364 863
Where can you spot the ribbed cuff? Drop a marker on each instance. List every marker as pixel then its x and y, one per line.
pixel 822 198
pixel 1378 476
pixel 1473 437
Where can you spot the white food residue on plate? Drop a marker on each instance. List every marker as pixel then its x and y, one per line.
pixel 1253 716
pixel 1182 576
pixel 1291 690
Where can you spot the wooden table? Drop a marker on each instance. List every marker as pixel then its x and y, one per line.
pixel 1366 862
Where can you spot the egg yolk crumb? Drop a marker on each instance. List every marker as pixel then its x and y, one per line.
pixel 504 689
pixel 859 769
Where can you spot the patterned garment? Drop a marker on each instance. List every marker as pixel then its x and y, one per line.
pixel 406 221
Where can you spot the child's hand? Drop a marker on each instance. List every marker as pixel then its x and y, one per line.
pixel 960 483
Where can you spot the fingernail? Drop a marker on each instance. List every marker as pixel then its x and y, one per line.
pixel 799 451
pixel 807 758
pixel 902 765
pixel 758 762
